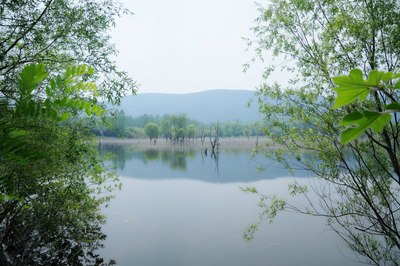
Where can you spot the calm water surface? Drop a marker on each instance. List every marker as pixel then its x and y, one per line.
pixel 185 208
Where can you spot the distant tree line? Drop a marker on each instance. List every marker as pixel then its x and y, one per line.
pixel 174 128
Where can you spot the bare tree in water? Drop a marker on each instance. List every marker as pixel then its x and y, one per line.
pixel 214 141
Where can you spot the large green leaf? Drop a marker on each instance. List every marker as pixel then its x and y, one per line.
pixel 350 88
pixel 393 106
pixel 375 77
pixel 363 121
pixel 347 95
pixel 387 76
pixel 353 87
pixel 351 119
pixel 30 77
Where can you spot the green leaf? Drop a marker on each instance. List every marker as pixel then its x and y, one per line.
pixel 82 69
pixel 31 76
pixel 59 81
pixel 393 106
pixel 48 91
pixel 73 71
pixel 75 104
pixel 353 87
pixel 351 119
pixel 90 86
pixel 53 84
pixel 68 72
pixel 47 103
pixel 362 121
pixel 64 116
pixel 348 95
pixel 88 108
pixel 82 104
pixel 97 110
pixel 387 76
pixel 69 102
pixel 377 121
pixel 63 102
pixel 91 70
pixel 374 78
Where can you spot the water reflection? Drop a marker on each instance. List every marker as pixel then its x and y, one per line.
pixel 176 159
pixel 191 163
pixel 116 154
pixel 181 207
pixel 151 155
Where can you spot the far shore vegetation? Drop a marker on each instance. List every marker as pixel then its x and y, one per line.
pixel 176 129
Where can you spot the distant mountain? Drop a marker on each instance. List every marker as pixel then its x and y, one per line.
pixel 206 107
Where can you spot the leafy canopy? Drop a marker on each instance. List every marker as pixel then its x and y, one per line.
pixel 152 130
pixel 50 175
pixel 316 43
pixel 62 33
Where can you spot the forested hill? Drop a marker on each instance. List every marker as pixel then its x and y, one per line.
pixel 206 107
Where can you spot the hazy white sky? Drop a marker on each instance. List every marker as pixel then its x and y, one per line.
pixel 187 45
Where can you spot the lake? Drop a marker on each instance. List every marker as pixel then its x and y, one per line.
pixel 181 207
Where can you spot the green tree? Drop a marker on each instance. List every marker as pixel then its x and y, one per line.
pixel 178 125
pixel 322 40
pixel 134 132
pixel 52 182
pixel 152 131
pixel 61 33
pixel 50 174
pixel 190 131
pixel 165 127
pixel 116 125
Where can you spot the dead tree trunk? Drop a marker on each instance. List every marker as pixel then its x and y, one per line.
pixel 214 141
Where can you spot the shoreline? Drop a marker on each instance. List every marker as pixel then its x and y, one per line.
pixel 225 143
